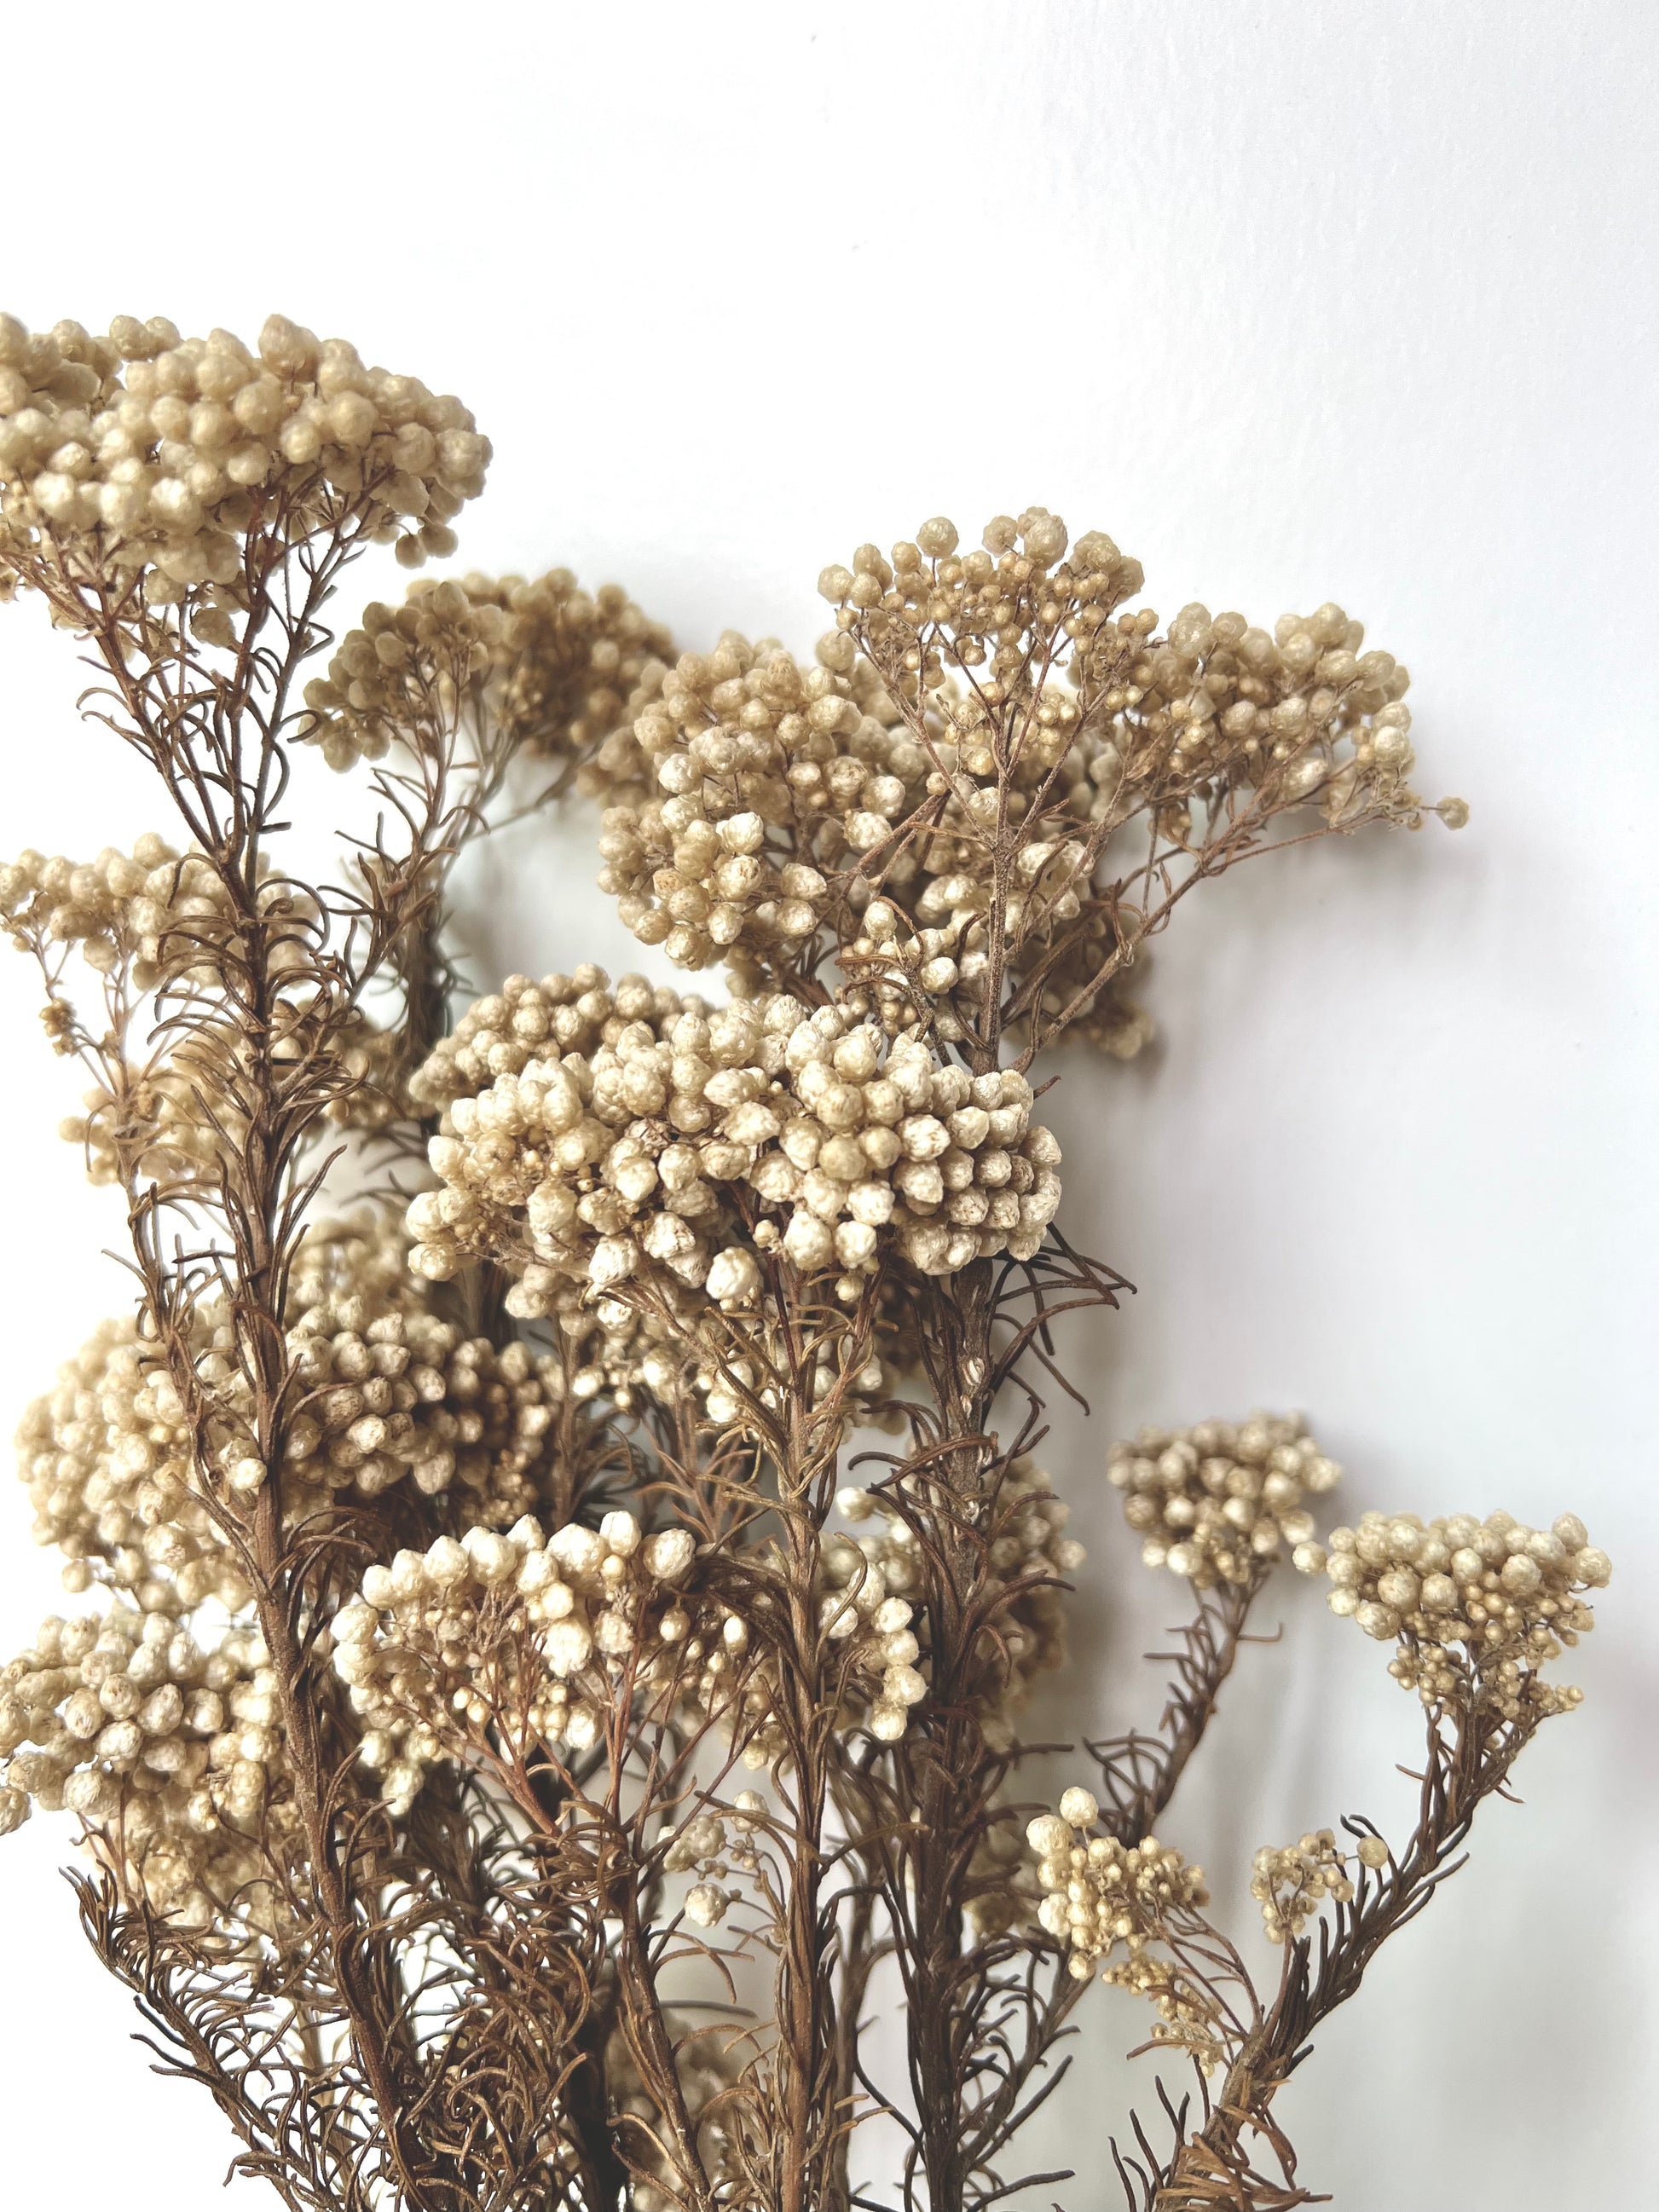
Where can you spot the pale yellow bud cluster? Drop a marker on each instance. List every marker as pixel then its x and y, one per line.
pixel 1302 711
pixel 1478 1607
pixel 1219 1503
pixel 865 1610
pixel 146 451
pixel 172 1752
pixel 766 780
pixel 106 1459
pixel 868 1655
pixel 1099 1893
pixel 1104 1900
pixel 523 1020
pixel 409 1397
pixel 1290 1883
pixel 549 668
pixel 703 1846
pixel 596 1170
pixel 154 912
pixel 383 1392
pixel 531 1634
pixel 932 608
pixel 1028 1555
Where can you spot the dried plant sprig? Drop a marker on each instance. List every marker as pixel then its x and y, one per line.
pixel 443 1581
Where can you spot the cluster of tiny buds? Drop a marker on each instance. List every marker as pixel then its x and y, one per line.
pixel 154 452
pixel 550 667
pixel 863 1603
pixel 1290 1883
pixel 1028 1554
pixel 124 1718
pixel 1220 1501
pixel 145 912
pixel 760 783
pixel 1472 1602
pixel 932 609
pixel 432 1649
pixel 703 1846
pixel 1099 1893
pixel 1301 712
pixel 107 1458
pixel 525 1020
pixel 595 1171
pixel 385 1391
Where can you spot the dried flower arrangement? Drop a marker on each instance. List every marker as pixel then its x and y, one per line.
pixel 462 1510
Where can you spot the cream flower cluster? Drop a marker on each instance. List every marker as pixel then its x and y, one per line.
pixel 869 1654
pixel 387 1393
pixel 1291 1882
pixel 1220 1501
pixel 865 1611
pixel 1478 1607
pixel 765 779
pixel 105 1457
pixel 159 909
pixel 174 1751
pixel 548 666
pixel 976 643
pixel 1099 1893
pixel 899 960
pixel 1103 1899
pixel 525 1020
pixel 410 1397
pixel 933 608
pixel 1302 710
pixel 432 1650
pixel 143 449
pixel 588 1170
pixel 1028 1555
pixel 714 1845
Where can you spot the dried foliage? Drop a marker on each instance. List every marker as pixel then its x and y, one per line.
pixel 552 1668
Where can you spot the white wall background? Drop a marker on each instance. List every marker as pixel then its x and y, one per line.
pixel 1296 302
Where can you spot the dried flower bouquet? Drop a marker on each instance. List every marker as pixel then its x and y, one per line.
pixel 560 1556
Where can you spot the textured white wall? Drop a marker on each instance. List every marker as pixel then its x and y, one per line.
pixel 1296 303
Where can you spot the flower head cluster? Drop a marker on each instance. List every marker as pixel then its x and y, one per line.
pixel 1480 1608
pixel 592 1170
pixel 714 1845
pixel 147 451
pixel 523 1020
pixel 551 669
pixel 1290 1884
pixel 171 1751
pixel 1128 1905
pixel 1303 710
pixel 536 1636
pixel 159 915
pixel 750 783
pixel 106 1459
pixel 1100 1893
pixel 1220 1501
pixel 387 1393
pixel 1028 1557
pixel 436 1647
